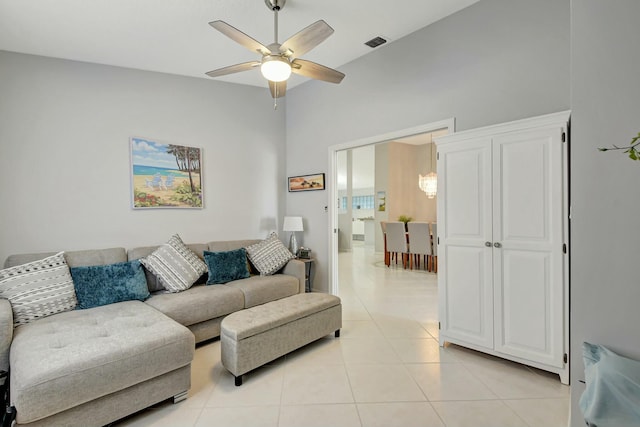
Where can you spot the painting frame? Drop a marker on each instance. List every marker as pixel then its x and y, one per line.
pixel 381 197
pixel 311 182
pixel 165 175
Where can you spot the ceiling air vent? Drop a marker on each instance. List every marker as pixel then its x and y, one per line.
pixel 375 42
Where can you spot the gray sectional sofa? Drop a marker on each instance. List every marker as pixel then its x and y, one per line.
pixel 94 366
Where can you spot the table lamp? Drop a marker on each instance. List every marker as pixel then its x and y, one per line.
pixel 293 224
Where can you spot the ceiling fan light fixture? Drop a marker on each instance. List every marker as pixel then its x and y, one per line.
pixel 278 60
pixel 275 68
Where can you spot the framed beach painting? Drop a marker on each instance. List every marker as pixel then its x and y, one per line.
pixel 306 182
pixel 165 175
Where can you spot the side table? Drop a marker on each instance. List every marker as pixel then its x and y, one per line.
pixel 309 271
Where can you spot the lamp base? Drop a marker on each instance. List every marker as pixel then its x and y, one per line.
pixel 293 244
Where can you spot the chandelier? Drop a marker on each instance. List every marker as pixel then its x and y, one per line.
pixel 429 182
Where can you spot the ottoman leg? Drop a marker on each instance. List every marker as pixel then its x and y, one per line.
pixel 337 333
pixel 238 380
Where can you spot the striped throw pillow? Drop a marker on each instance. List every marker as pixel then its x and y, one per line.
pixel 175 265
pixel 269 256
pixel 38 289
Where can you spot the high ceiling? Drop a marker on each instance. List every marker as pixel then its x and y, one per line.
pixel 172 36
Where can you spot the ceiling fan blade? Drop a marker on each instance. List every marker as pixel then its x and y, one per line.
pixel 233 69
pixel 278 89
pixel 239 37
pixel 316 71
pixel 305 40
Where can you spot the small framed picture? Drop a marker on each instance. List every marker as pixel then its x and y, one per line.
pixel 382 201
pixel 306 182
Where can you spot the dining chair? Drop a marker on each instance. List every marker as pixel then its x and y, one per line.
pixel 434 245
pixel 397 241
pixel 419 243
pixel 387 258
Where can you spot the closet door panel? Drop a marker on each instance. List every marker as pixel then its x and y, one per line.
pixel 523 320
pixel 465 264
pixel 528 262
pixel 468 295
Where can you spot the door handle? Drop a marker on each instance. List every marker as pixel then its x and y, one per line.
pixel 487 244
pixel 497 245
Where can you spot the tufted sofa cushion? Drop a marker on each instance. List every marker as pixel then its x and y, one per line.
pixel 74 357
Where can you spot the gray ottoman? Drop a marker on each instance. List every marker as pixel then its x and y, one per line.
pixel 255 336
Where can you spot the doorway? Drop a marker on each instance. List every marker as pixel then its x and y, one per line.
pixel 356 199
pixel 410 136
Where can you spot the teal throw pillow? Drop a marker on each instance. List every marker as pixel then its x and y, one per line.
pixel 226 266
pixel 98 285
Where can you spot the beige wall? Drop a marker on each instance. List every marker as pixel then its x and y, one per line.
pixel 425 208
pixel 397 168
pixel 404 197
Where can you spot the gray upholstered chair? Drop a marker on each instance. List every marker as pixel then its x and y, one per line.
pixel 419 243
pixel 397 241
pixel 434 240
pixel 387 259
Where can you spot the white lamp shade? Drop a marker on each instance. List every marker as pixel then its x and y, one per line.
pixel 292 223
pixel 276 69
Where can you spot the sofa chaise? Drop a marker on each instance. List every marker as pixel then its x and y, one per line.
pixel 93 366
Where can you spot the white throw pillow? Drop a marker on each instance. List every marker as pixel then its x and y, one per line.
pixel 38 289
pixel 269 256
pixel 175 265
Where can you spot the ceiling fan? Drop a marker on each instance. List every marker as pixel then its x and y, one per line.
pixel 280 60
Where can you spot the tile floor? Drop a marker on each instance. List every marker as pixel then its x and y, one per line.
pixel 385 370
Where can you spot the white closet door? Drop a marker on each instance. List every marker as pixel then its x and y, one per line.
pixel 528 237
pixel 464 260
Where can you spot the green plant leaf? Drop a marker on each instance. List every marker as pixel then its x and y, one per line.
pixel 633 153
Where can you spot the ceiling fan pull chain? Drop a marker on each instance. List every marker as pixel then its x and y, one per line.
pixel 275 96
